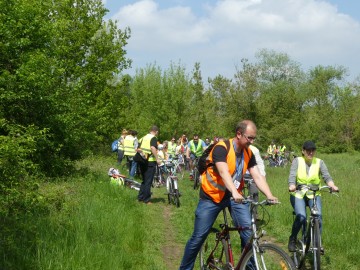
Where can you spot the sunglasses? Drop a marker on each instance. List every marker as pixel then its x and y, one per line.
pixel 249 138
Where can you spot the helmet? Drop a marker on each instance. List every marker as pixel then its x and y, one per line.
pixel 160 147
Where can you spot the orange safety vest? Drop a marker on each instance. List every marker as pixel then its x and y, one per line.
pixel 212 183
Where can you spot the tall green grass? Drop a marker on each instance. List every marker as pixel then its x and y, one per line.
pixel 95 225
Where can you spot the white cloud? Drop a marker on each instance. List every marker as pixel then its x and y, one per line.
pixel 311 32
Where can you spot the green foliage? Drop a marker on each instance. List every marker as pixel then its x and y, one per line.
pixel 64 95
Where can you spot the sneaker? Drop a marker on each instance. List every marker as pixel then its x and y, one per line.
pixel 322 251
pixel 292 244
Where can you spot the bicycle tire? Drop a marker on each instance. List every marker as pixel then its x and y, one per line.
pixel 299 254
pixel 169 189
pixel 269 257
pixel 316 244
pixel 196 179
pixel 177 198
pixel 218 260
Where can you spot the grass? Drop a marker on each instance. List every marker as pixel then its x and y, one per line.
pixel 95 225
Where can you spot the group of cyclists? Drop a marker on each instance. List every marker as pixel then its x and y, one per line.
pixel 306 169
pixel 276 154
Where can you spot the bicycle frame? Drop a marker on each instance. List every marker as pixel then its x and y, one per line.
pixel 224 235
pixel 172 183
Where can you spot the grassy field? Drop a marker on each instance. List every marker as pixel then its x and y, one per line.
pixel 95 225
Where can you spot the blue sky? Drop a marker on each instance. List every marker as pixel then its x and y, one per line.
pixel 219 33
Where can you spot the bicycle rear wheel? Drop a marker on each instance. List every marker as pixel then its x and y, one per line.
pixel 270 257
pixel 214 255
pixel 316 244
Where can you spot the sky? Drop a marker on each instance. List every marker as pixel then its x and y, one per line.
pixel 220 33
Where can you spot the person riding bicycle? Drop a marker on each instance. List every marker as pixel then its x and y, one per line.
pixel 281 151
pixel 306 170
pixel 221 187
pixel 272 151
pixel 195 149
pixel 172 147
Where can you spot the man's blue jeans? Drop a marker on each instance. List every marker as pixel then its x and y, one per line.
pixel 205 216
pixel 299 206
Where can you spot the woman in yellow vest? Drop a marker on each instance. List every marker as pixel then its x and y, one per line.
pixel 220 182
pixel 130 146
pixel 305 170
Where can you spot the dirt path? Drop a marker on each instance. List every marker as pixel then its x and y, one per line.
pixel 172 251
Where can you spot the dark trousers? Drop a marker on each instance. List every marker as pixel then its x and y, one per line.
pixel 148 172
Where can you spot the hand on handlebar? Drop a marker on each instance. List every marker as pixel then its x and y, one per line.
pixel 272 199
pixel 334 189
pixel 237 197
pixel 292 188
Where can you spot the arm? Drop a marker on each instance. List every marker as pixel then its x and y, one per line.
pixel 154 152
pixel 292 175
pixel 326 175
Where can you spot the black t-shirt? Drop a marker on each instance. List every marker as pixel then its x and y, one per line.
pixel 220 155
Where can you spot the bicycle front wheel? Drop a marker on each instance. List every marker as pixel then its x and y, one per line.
pixel 177 198
pixel 169 189
pixel 316 244
pixel 269 257
pixel 196 179
pixel 214 255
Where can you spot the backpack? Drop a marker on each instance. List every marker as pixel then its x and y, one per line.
pixel 114 146
pixel 203 162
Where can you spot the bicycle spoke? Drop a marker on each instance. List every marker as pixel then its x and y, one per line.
pixel 269 257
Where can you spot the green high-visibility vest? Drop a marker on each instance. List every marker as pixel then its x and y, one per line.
pixel 129 149
pixel 171 148
pixel 311 178
pixel 145 146
pixel 198 150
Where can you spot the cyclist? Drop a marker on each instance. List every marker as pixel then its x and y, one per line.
pixel 305 170
pixel 281 151
pixel 171 147
pixel 195 149
pixel 220 182
pixel 272 151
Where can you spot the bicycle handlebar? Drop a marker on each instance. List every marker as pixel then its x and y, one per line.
pixel 315 188
pixel 251 201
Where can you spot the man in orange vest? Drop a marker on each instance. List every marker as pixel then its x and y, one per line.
pixel 222 181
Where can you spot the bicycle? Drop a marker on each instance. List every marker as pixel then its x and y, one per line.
pixel 278 161
pixel 179 165
pixel 120 179
pixel 311 236
pixel 258 255
pixel 158 180
pixel 172 187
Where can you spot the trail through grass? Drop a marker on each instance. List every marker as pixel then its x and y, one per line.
pixel 94 225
